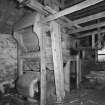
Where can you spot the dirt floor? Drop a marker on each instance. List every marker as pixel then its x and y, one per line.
pixel 84 97
pixel 76 97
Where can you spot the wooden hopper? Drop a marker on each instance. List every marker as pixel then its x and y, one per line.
pixel 27 40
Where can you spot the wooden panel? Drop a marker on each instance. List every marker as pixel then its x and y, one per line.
pixel 57 60
pixel 72 9
pixel 26 21
pixel 41 35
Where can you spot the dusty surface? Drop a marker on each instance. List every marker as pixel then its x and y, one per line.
pixel 77 97
pixel 84 97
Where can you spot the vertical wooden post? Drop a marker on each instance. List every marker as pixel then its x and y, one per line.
pixel 20 61
pixel 93 40
pixel 78 71
pixel 67 76
pixel 57 59
pixel 39 29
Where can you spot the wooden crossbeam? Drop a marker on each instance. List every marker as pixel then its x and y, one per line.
pixel 28 20
pixel 88 28
pixel 40 8
pixel 69 23
pixel 90 33
pixel 90 18
pixel 72 9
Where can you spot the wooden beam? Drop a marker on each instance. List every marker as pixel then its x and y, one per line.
pixel 88 28
pixel 69 23
pixel 90 33
pixel 72 9
pixel 31 55
pixel 89 18
pixel 39 29
pixel 57 59
pixel 47 11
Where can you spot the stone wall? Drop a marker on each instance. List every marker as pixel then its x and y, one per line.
pixel 8 57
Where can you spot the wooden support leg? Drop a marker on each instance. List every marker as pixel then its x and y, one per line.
pixel 43 70
pixel 67 76
pixel 39 29
pixel 57 59
pixel 20 62
pixel 93 40
pixel 78 70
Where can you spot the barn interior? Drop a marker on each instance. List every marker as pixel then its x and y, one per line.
pixel 52 52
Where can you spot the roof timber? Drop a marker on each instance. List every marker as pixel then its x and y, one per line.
pixel 29 20
pixel 90 18
pixel 47 10
pixel 72 9
pixel 88 28
pixel 69 22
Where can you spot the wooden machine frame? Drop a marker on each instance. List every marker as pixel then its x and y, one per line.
pixel 52 22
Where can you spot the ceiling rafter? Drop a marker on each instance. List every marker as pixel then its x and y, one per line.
pixel 90 27
pixel 90 18
pixel 90 33
pixel 72 9
pixel 42 9
pixel 29 20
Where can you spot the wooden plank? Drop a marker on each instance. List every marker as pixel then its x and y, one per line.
pixel 30 55
pixel 72 9
pixel 41 35
pixel 37 7
pixel 57 59
pixel 88 28
pixel 89 18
